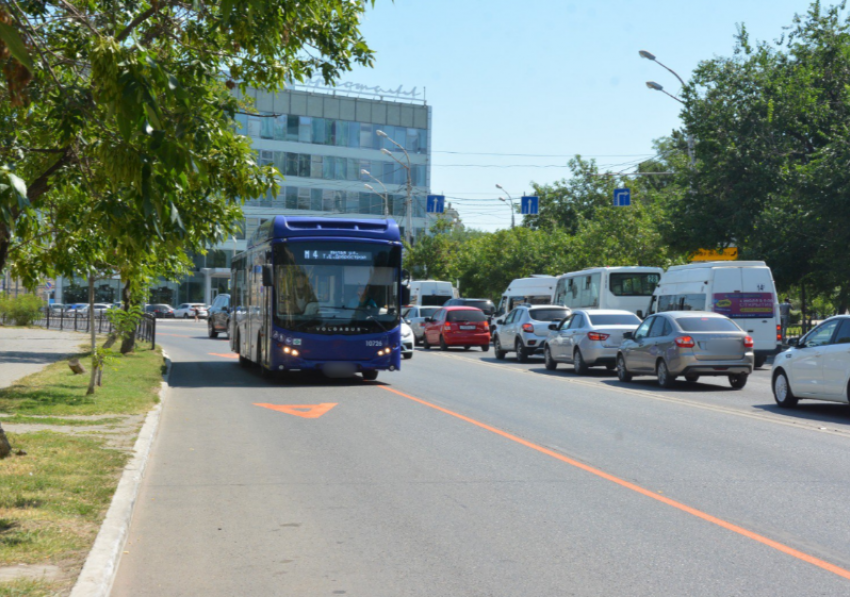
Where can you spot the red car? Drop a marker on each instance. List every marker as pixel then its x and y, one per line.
pixel 457 326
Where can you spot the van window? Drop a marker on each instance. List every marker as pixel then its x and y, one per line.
pixel 633 284
pixel 681 302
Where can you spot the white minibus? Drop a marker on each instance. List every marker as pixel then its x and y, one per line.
pixel 536 290
pixel 626 288
pixel 431 293
pixel 741 290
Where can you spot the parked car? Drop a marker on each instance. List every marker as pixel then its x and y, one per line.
pixel 817 366
pixel 457 326
pixel 588 338
pixel 416 316
pixel 99 309
pixel 160 310
pixel 406 341
pixel 218 320
pixel 687 343
pixel 187 310
pixel 525 329
pixel 486 305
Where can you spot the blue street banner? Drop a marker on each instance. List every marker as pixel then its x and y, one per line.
pixel 622 197
pixel 530 206
pixel 436 204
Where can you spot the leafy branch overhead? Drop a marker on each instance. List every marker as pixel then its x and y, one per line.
pixel 126 117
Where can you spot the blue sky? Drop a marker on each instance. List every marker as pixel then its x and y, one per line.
pixel 547 79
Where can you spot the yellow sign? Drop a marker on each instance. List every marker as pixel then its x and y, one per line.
pixel 730 254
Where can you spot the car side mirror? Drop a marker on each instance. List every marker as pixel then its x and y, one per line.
pixel 628 336
pixel 500 321
pixel 429 320
pixel 639 313
pixel 553 326
pixel 793 342
pixel 268 278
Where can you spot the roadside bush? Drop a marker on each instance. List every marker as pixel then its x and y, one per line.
pixel 22 310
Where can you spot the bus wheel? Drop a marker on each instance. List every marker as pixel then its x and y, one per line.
pixel 370 374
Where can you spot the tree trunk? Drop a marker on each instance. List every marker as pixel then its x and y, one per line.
pixel 5 447
pixel 128 343
pixel 95 361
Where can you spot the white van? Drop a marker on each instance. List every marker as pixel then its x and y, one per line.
pixel 431 293
pixel 626 288
pixel 536 290
pixel 741 290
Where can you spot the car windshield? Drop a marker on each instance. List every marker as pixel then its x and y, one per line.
pixel 613 319
pixel 337 287
pixel 548 314
pixel 707 324
pixel 466 315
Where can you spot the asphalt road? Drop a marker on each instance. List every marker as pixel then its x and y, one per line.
pixel 462 475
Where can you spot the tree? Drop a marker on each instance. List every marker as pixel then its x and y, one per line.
pixel 126 107
pixel 772 123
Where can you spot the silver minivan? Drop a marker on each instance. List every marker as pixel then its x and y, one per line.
pixel 687 343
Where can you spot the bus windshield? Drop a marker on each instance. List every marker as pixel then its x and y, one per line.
pixel 337 287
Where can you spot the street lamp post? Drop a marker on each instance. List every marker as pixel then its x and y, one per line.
pixel 511 199
pixel 656 87
pixel 408 228
pixel 386 194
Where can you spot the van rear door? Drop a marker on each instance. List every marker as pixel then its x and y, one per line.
pixel 759 281
pixel 747 295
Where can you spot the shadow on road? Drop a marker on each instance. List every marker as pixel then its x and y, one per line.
pixel 823 412
pixel 211 374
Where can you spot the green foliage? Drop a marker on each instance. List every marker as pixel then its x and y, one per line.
pixel 125 321
pixel 22 310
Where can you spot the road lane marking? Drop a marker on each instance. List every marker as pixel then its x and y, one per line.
pixel 638 489
pixel 306 411
pixel 229 355
pixel 662 398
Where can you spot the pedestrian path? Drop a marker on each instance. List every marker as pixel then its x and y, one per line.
pixel 25 351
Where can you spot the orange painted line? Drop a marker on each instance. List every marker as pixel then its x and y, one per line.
pixel 844 573
pixel 229 355
pixel 306 411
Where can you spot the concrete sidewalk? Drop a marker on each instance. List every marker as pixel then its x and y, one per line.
pixel 25 351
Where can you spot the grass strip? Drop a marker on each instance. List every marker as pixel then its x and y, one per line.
pixel 130 386
pixel 53 500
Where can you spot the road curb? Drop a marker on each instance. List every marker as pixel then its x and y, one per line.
pixel 101 565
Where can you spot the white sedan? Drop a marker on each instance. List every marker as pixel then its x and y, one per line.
pixel 187 310
pixel 406 340
pixel 816 366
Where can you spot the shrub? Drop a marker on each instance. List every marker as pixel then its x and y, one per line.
pixel 22 310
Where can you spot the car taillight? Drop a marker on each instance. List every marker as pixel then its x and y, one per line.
pixel 448 326
pixel 527 327
pixel 748 342
pixel 596 336
pixel 779 333
pixel 684 342
pixel 485 325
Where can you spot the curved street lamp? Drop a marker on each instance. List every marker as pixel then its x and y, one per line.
pixel 386 194
pixel 407 228
pixel 656 87
pixel 511 200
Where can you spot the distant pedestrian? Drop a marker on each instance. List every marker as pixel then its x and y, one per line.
pixel 195 310
pixel 785 317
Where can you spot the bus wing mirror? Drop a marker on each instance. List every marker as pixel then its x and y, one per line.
pixel 405 295
pixel 268 278
pixel 405 277
pixel 640 313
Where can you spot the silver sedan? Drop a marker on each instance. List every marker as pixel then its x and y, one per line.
pixel 588 338
pixel 416 316
pixel 687 343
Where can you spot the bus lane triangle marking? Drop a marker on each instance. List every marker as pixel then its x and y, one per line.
pixel 306 411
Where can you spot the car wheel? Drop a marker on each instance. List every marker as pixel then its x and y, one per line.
pixel 211 330
pixel 579 363
pixel 760 361
pixel 665 379
pixel 485 348
pixel 738 381
pixel 782 393
pixel 408 355
pixel 521 352
pixel 622 373
pixel 185 316
pixel 692 378
pixel 425 343
pixel 443 345
pixel 497 349
pixel 551 364
pixel 370 374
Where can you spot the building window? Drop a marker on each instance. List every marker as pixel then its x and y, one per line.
pixel 305 129
pixel 316 166
pixel 316 199
pixel 304 165
pixel 292 124
pixel 340 169
pixel 367 166
pixel 291 164
pixel 367 136
pixel 280 128
pixel 254 126
pixel 266 158
pixel 267 127
pixel 304 198
pixel 353 134
pixel 291 197
pixel 319 132
pixel 328 167
pixel 352 202
pixel 388 173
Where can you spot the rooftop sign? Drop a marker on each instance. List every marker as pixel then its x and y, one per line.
pixel 358 88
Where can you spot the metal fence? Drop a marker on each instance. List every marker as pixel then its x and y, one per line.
pixel 146 330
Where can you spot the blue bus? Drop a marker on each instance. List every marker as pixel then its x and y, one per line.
pixel 319 294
